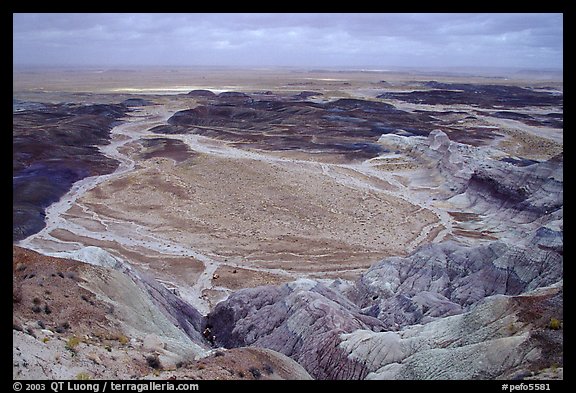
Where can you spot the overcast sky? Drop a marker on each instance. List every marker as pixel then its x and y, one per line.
pixel 348 40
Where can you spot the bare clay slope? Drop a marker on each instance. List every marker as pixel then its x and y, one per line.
pixel 434 313
pixel 75 320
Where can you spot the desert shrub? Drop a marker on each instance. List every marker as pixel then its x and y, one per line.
pixel 72 343
pixel 512 328
pixel 555 324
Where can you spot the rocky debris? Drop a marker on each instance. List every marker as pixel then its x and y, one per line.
pixel 43 289
pixel 519 161
pixel 136 102
pixel 246 363
pixel 82 332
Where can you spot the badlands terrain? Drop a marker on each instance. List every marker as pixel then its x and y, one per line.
pixel 286 224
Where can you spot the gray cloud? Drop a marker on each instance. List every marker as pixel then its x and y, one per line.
pixel 514 40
